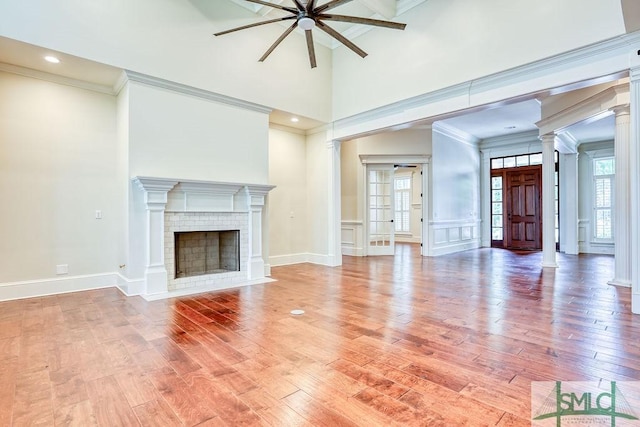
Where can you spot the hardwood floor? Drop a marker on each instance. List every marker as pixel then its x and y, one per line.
pixel 404 340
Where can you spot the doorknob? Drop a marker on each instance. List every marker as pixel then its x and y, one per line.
pixel 391 220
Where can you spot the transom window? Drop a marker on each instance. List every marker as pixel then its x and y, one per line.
pixel 516 161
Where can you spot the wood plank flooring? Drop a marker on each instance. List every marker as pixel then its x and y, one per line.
pixel 405 340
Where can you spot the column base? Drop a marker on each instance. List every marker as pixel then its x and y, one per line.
pixel 547 264
pixel 156 280
pixel 256 269
pixel 635 303
pixel 619 282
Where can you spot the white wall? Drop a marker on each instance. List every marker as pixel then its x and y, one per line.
pixel 288 228
pixel 58 165
pixel 454 217
pixel 172 135
pixel 173 40
pixel 453 41
pixel 317 197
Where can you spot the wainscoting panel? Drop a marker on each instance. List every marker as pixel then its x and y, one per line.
pixel 352 233
pixel 453 236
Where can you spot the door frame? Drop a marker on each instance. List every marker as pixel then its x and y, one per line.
pixel 424 161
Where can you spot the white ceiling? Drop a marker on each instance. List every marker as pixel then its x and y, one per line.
pixel 521 117
pixel 504 119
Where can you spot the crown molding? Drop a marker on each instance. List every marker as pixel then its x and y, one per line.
pixel 455 133
pixel 513 139
pixel 592 108
pixel 55 78
pixel 566 143
pixel 481 91
pixel 132 76
pixel 288 129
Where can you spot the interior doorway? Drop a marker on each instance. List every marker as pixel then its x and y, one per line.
pixel 380 214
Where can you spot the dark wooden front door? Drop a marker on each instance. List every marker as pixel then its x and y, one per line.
pixel 523 228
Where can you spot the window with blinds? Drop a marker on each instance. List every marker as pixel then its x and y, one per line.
pixel 603 198
pixel 402 195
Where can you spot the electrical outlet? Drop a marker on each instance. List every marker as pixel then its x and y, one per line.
pixel 62 269
pixel 98 214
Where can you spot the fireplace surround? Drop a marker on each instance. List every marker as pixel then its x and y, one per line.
pixel 167 207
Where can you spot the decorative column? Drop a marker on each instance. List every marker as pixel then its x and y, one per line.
pixel 548 201
pixel 334 198
pixel 634 178
pixel 155 199
pixel 622 222
pixel 485 197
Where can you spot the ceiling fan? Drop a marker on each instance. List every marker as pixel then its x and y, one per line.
pixel 309 16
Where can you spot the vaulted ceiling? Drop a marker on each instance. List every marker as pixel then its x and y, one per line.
pixel 495 121
pixel 376 9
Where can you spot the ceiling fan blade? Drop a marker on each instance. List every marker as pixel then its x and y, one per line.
pixel 311 5
pixel 277 6
pixel 244 27
pixel 330 5
pixel 366 21
pixel 299 5
pixel 336 35
pixel 277 42
pixel 311 48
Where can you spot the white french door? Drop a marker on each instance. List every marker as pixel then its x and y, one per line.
pixel 380 213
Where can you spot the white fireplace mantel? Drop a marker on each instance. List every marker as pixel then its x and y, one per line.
pixel 207 197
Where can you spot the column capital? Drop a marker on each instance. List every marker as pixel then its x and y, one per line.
pixel 548 138
pixel 333 144
pixel 621 110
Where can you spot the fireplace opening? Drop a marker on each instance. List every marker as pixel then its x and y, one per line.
pixel 206 252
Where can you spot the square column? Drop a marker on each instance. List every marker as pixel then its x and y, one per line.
pixel 155 199
pixel 548 202
pixel 334 223
pixel 634 177
pixel 256 198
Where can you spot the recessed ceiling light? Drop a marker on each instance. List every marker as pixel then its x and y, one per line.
pixel 52 59
pixel 295 119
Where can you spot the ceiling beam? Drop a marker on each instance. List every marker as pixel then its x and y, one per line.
pixel 386 8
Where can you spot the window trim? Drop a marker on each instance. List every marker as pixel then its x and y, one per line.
pixel 594 207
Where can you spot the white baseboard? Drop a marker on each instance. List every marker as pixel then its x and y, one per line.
pixel 280 260
pixel 58 285
pixel 351 251
pixel 453 248
pixel 130 287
